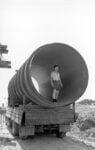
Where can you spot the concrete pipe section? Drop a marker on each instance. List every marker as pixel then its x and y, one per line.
pixel 33 78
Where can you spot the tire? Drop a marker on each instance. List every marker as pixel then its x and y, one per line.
pixel 60 134
pixel 8 122
pixel 23 137
pixel 15 130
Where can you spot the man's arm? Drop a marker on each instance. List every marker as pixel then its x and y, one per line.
pixel 61 82
pixel 51 79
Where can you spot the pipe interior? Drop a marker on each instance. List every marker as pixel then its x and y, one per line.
pixel 72 68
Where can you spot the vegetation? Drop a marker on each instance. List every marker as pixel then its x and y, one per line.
pixel 87 102
pixel 84 127
pixel 86 122
pixel 86 115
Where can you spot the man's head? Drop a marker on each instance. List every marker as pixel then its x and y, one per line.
pixel 56 67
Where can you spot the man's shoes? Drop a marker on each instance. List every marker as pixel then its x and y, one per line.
pixel 54 101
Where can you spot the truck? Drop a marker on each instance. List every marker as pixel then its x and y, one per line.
pixel 30 108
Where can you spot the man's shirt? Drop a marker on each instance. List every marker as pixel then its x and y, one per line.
pixel 55 75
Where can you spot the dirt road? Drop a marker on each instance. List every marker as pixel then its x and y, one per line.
pixel 41 142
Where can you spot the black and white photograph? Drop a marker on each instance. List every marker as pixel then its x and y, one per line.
pixel 47 74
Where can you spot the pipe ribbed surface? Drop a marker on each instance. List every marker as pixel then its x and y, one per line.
pixel 33 78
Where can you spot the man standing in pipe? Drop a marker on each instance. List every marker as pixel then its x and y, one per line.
pixel 56 83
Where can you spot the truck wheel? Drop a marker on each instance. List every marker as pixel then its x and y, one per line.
pixel 23 137
pixel 9 122
pixel 15 130
pixel 60 134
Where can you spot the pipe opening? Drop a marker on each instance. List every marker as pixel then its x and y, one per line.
pixel 72 68
pixel 33 77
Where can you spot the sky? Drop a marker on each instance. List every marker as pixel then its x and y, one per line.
pixel 27 24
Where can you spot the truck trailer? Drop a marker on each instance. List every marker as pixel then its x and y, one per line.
pixel 30 107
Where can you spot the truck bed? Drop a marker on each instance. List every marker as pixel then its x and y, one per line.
pixel 36 115
pixel 39 116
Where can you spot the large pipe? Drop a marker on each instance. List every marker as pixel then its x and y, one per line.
pixel 32 80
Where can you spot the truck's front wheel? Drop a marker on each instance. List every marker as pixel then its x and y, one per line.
pixel 8 122
pixel 15 127
pixel 60 134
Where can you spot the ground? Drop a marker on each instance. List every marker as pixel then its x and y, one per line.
pixel 72 141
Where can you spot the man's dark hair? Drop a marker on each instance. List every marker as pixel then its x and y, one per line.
pixel 55 66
